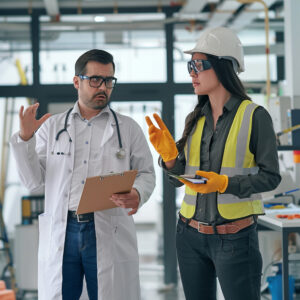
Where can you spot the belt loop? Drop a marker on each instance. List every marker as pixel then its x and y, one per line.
pixel 81 221
pixel 188 221
pixel 185 220
pixel 215 228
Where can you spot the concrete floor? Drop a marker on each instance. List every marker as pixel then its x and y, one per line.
pixel 152 275
pixel 151 271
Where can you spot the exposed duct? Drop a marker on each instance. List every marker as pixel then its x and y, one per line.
pixel 52 9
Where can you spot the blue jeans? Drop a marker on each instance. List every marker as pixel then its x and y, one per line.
pixel 80 259
pixel 233 258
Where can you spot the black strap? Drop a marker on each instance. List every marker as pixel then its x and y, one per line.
pixel 66 124
pixel 118 129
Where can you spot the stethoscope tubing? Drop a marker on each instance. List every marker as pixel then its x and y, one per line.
pixel 118 128
pixel 65 126
pixel 120 153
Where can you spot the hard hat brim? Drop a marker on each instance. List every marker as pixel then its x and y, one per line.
pixel 190 51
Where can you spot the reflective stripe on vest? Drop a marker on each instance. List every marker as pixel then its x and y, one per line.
pixel 237 160
pixel 192 155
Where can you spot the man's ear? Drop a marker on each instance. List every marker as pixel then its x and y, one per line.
pixel 76 82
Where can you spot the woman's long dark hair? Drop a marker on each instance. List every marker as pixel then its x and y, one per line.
pixel 231 82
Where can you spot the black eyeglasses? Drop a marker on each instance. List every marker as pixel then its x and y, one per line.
pixel 198 65
pixel 96 81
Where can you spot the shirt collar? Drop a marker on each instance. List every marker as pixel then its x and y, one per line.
pixel 229 105
pixel 76 111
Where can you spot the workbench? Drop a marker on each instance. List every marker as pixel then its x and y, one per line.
pixel 285 226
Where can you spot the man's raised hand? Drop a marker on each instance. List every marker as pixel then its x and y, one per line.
pixel 28 123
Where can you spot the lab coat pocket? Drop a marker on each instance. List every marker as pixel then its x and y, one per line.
pixel 125 243
pixel 45 225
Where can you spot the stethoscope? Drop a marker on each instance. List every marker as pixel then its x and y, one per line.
pixel 120 152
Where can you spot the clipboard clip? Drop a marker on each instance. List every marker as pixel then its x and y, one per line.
pixel 111 174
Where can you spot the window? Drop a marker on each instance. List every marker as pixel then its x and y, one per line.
pixel 15 48
pixel 139 55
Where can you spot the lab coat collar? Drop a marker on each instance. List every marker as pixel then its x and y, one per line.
pixel 112 119
pixel 106 109
pixel 108 132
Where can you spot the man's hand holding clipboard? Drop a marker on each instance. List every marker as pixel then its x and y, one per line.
pixel 127 200
pixel 109 191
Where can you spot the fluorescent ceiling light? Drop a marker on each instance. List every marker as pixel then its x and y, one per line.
pixel 17 19
pixel 194 16
pixel 130 17
pixel 99 19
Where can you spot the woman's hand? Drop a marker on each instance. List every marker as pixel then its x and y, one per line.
pixel 215 183
pixel 162 139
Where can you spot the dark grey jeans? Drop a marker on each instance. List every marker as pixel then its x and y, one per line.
pixel 233 258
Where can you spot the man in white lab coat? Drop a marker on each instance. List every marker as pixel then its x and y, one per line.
pixel 59 152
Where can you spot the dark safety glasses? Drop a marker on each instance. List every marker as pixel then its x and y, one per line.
pixel 96 81
pixel 198 65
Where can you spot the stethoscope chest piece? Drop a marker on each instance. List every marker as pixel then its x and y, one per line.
pixel 121 153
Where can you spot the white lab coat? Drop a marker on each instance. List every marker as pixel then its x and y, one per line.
pixel 117 255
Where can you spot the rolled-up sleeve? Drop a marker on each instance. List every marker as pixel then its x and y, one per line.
pixel 30 158
pixel 178 169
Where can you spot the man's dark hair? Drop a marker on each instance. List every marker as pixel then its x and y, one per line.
pixel 97 55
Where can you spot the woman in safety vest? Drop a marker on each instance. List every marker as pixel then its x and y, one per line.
pixel 230 141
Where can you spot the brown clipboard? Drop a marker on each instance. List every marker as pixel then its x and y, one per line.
pixel 97 190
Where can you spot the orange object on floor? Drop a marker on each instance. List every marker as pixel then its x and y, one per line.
pixel 6 294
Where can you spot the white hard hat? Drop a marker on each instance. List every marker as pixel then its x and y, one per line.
pixel 221 42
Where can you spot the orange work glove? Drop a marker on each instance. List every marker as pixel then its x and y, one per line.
pixel 215 183
pixel 161 139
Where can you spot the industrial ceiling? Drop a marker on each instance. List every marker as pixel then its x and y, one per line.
pixel 112 17
pixel 237 14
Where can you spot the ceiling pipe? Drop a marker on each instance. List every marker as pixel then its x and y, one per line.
pixel 52 9
pixel 267 48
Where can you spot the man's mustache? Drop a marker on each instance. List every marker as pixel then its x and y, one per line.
pixel 100 94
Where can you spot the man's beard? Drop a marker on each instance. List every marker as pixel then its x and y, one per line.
pixel 97 106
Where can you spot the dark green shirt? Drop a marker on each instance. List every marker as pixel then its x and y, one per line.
pixel 262 146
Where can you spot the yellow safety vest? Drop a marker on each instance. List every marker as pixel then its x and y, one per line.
pixel 237 160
